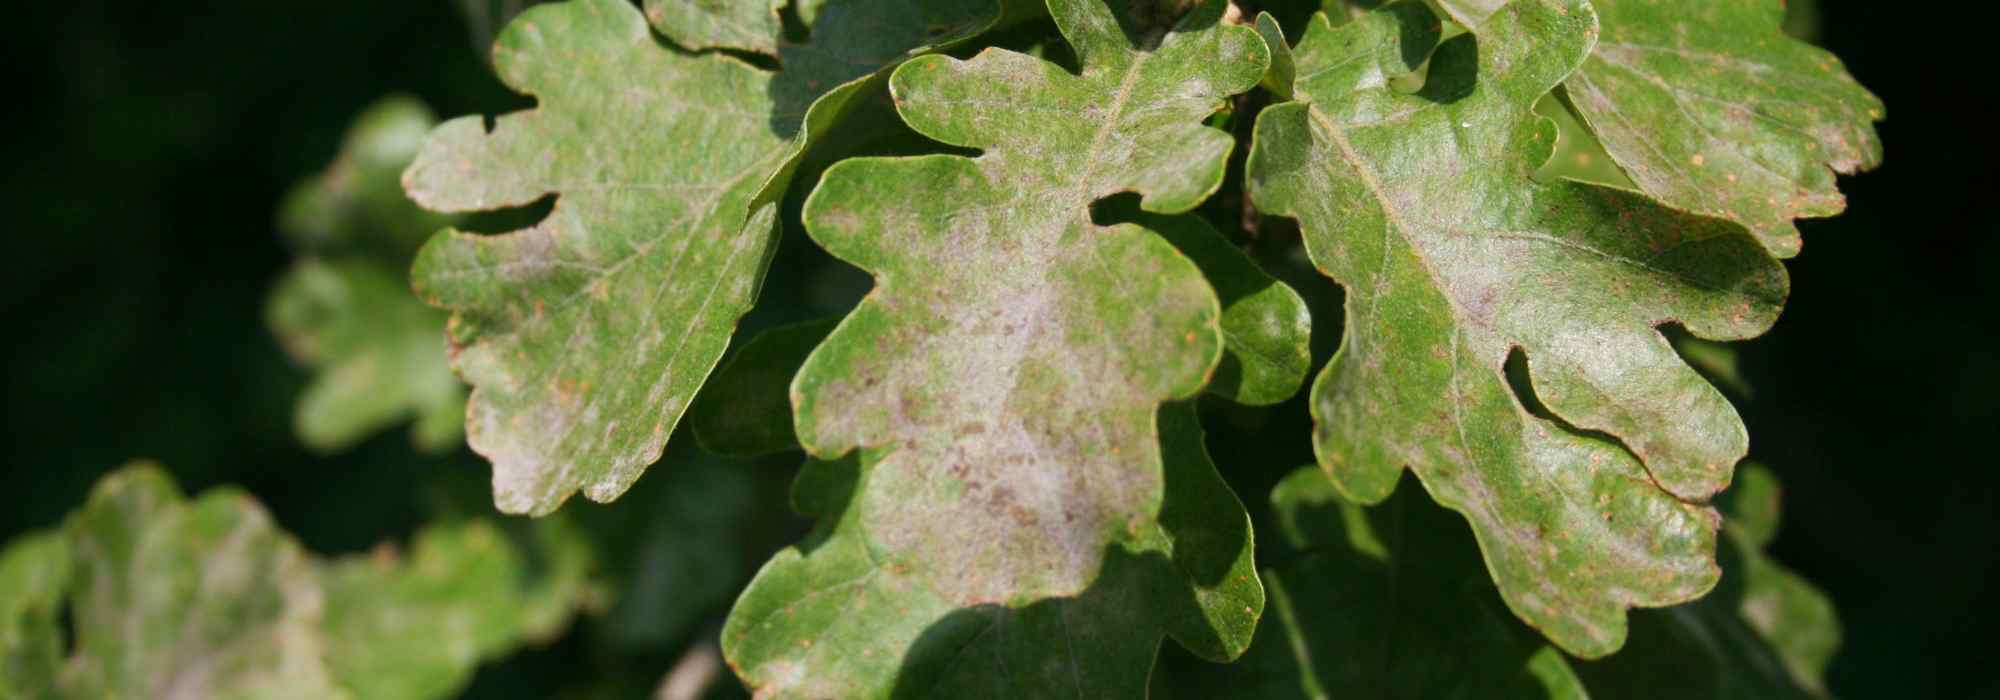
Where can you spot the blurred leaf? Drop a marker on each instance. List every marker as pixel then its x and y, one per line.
pixel 484 18
pixel 206 598
pixel 1763 633
pixel 586 336
pixel 381 353
pixel 1422 206
pixel 345 308
pixel 1578 155
pixel 412 628
pixel 357 205
pixel 178 598
pixel 1388 601
pixel 34 573
pixel 1717 361
pixel 560 572
pixel 678 548
pixel 1802 20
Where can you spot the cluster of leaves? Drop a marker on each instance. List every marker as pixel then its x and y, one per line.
pixel 1541 212
pixel 175 598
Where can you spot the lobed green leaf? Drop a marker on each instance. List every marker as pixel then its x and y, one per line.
pixel 1585 485
pixel 586 336
pixel 1017 514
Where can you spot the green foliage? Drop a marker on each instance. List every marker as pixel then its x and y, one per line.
pixel 586 336
pixel 1762 633
pixel 1083 221
pixel 173 597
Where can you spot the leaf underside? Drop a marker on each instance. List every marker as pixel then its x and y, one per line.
pixel 586 336
pixel 1586 489
pixel 1020 517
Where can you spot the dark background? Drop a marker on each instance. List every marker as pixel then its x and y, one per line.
pixel 147 143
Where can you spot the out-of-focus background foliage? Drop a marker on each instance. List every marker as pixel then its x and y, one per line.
pixel 147 146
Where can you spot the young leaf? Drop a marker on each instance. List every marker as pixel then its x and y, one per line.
pixel 1708 106
pixel 173 598
pixel 1423 206
pixel 838 617
pixel 585 336
pixel 1763 633
pixel 345 308
pixel 1382 602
